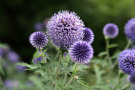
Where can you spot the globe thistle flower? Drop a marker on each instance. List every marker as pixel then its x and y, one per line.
pixel 21 68
pixel 130 29
pixel 38 26
pixel 10 84
pixel 65 28
pixel 81 52
pixel 36 60
pixel 131 79
pixel 13 57
pixel 110 30
pixel 38 39
pixel 127 61
pixel 88 35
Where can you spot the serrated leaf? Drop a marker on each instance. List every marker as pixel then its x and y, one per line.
pixel 83 83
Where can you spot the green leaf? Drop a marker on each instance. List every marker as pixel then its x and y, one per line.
pixel 31 67
pixel 83 83
pixel 102 54
pixel 121 74
pixel 112 45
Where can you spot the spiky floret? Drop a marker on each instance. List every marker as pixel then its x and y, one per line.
pixel 81 52
pixel 110 30
pixel 131 79
pixel 127 61
pixel 38 39
pixel 88 35
pixel 64 29
pixel 130 29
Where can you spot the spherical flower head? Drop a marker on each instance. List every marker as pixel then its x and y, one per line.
pixel 88 35
pixel 36 60
pixel 38 26
pixel 13 57
pixel 10 84
pixel 110 30
pixel 131 79
pixel 65 28
pixel 81 52
pixel 127 61
pixel 38 39
pixel 21 68
pixel 130 29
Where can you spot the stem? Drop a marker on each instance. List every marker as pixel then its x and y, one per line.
pixel 65 77
pixel 128 44
pixel 42 55
pixel 107 50
pixel 69 82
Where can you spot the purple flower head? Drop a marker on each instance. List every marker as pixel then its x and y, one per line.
pixel 130 29
pixel 110 30
pixel 21 68
pixel 88 35
pixel 10 84
pixel 1 52
pixel 38 39
pixel 81 52
pixel 36 60
pixel 39 26
pixel 127 61
pixel 131 79
pixel 65 28
pixel 13 57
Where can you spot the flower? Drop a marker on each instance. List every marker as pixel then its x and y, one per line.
pixel 38 39
pixel 21 68
pixel 127 61
pixel 110 30
pixel 81 52
pixel 36 60
pixel 10 84
pixel 65 28
pixel 131 79
pixel 88 35
pixel 130 29
pixel 38 26
pixel 13 57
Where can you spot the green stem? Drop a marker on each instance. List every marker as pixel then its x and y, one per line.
pixel 107 50
pixel 42 55
pixel 128 44
pixel 65 77
pixel 68 82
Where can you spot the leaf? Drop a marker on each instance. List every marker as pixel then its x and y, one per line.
pixel 121 74
pixel 83 83
pixel 112 45
pixel 102 54
pixel 31 67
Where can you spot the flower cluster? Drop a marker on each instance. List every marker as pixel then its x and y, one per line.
pixel 38 39
pixel 81 52
pixel 130 29
pixel 110 30
pixel 127 61
pixel 65 28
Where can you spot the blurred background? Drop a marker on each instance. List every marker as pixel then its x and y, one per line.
pixel 19 18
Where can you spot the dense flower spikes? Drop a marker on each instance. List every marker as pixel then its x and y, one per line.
pixel 127 61
pixel 38 39
pixel 88 35
pixel 130 29
pixel 110 30
pixel 81 52
pixel 131 79
pixel 65 28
